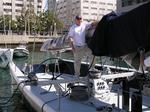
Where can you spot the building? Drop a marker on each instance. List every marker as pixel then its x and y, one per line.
pixel 52 6
pixel 90 10
pixel 127 5
pixel 15 7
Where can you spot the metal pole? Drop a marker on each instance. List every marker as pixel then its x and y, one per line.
pixel 9 26
pixel 25 26
pixel 28 25
pixel 29 9
pixel 136 102
pixel 4 20
pixel 10 21
pixel 4 24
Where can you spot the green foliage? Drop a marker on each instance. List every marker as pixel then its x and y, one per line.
pixel 44 23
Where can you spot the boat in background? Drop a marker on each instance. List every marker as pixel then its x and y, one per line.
pixel 6 56
pixel 21 50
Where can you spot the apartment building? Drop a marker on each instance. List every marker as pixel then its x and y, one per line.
pixel 16 7
pixel 90 10
pixel 127 5
pixel 52 6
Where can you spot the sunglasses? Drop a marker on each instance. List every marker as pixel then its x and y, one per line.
pixel 78 18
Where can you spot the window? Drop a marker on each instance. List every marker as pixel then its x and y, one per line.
pixel 102 3
pixel 95 14
pixel 85 1
pixel 30 0
pixel 19 5
pixel 94 8
pixel 7 10
pixel 39 0
pixel 39 6
pixel 93 2
pixel 110 9
pixel 131 2
pixel 7 3
pixel 101 14
pixel 18 10
pixel 110 4
pixel 85 13
pixel 101 9
pixel 84 7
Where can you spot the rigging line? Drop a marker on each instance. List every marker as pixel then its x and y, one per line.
pixel 91 63
pixel 33 50
pixel 47 90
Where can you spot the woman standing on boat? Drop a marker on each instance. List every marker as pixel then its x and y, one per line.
pixel 78 43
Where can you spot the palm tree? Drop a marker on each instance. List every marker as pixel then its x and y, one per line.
pixel 29 17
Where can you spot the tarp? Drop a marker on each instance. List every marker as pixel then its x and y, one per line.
pixel 116 36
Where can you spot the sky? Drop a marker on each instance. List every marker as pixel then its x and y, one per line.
pixel 44 5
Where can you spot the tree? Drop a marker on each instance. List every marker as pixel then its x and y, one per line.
pixel 1 24
pixel 42 24
pixel 47 21
pixel 20 24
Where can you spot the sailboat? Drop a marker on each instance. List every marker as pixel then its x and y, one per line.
pixel 51 85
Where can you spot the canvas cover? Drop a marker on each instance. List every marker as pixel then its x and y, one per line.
pixel 118 35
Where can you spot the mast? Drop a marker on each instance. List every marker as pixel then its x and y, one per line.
pixel 29 12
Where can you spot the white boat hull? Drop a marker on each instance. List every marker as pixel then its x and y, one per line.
pixel 21 52
pixel 43 100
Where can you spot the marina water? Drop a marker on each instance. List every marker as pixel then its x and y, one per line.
pixel 16 103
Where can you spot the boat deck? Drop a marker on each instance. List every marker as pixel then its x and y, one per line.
pixel 44 98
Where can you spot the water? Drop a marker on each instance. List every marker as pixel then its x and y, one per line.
pixel 17 103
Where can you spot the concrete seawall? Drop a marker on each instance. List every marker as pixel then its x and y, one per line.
pixel 16 39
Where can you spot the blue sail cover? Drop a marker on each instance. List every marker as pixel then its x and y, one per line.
pixel 116 36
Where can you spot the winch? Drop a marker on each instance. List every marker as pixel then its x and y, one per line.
pixel 79 92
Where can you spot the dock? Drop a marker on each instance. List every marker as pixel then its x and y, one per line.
pixel 16 39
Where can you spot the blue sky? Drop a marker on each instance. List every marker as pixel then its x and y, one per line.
pixel 44 5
